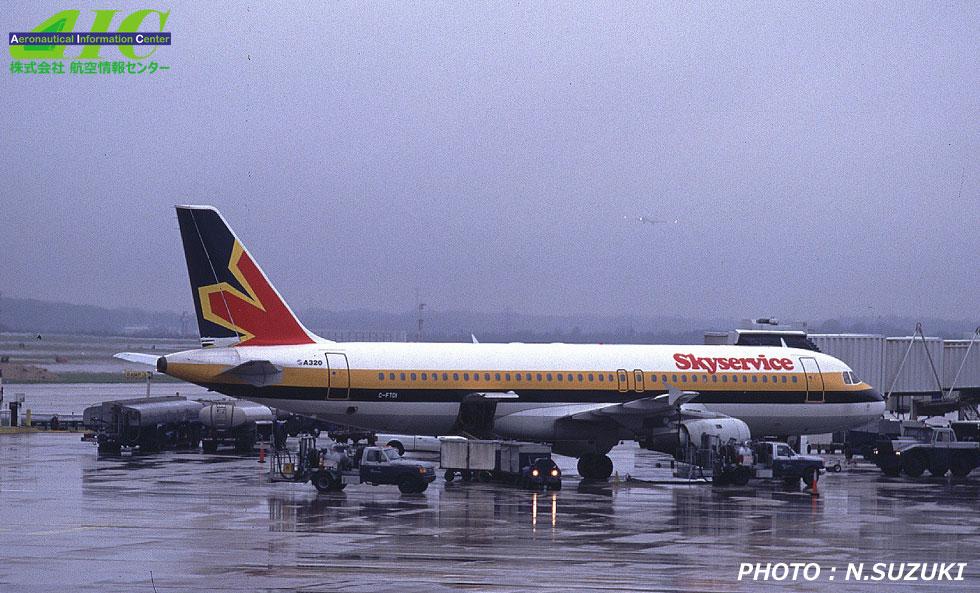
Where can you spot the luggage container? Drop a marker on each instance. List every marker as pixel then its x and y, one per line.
pixel 468 459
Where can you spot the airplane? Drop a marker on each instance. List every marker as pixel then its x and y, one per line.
pixel 583 399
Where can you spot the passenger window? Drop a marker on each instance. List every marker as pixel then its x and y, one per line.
pixel 591 378
pixel 425 376
pixel 704 378
pixel 571 377
pixel 580 378
pixel 724 378
pixel 466 376
pixel 795 380
pixel 391 376
pixel 414 376
pixel 714 378
pixel 539 376
pixel 765 379
pixel 784 378
pixel 673 378
pixel 455 376
pixel 612 377
pixel 445 376
pixel 602 378
pixel 381 376
pixel 402 376
pixel 694 378
pixel 548 376
pixel 745 378
pixel 559 376
pixel 507 376
pixel 495 376
pixel 663 378
pixel 755 379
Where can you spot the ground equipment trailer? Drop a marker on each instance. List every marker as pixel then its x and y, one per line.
pixel 927 448
pixel 145 424
pixel 333 469
pixel 233 422
pixel 526 464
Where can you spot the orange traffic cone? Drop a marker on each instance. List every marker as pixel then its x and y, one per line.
pixel 813 486
pixel 261 454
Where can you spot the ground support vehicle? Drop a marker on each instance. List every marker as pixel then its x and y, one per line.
pixel 234 423
pixel 145 424
pixel 333 469
pixel 927 448
pixel 526 464
pixel 775 460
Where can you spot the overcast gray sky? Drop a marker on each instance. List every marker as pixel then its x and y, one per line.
pixel 813 154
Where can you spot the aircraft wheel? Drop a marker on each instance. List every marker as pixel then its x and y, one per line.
pixel 449 475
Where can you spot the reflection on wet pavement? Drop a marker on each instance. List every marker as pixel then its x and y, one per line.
pixel 70 521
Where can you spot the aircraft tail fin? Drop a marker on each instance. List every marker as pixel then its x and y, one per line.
pixel 234 300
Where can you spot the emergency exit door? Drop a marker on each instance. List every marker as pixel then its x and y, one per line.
pixel 338 376
pixel 814 380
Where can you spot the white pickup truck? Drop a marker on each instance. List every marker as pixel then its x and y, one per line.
pixel 417 443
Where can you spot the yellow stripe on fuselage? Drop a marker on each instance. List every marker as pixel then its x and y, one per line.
pixel 484 380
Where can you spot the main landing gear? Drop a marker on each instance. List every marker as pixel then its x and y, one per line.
pixel 595 466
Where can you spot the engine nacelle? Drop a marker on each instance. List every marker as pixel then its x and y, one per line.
pixel 693 433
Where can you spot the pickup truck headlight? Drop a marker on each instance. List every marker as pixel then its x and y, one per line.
pixel 554 473
pixel 535 473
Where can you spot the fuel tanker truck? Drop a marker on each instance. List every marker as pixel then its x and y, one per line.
pixel 234 423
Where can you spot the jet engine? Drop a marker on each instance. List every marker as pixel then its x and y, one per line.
pixel 693 432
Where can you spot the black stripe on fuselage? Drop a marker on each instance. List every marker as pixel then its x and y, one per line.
pixel 542 396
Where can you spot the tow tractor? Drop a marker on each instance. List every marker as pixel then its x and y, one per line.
pixel 333 469
pixel 928 448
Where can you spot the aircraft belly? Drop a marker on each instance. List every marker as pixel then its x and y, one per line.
pixel 799 419
pixel 425 418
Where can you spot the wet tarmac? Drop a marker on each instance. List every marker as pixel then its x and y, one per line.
pixel 195 522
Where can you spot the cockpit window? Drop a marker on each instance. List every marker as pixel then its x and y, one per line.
pixel 847 377
pixel 854 378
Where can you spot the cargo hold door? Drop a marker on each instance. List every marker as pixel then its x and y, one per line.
pixel 338 376
pixel 814 380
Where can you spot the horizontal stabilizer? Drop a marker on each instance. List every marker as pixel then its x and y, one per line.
pixel 150 359
pixel 256 372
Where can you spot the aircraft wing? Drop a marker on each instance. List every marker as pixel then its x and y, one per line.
pixel 256 372
pixel 647 407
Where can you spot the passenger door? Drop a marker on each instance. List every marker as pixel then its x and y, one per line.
pixel 814 380
pixel 338 376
